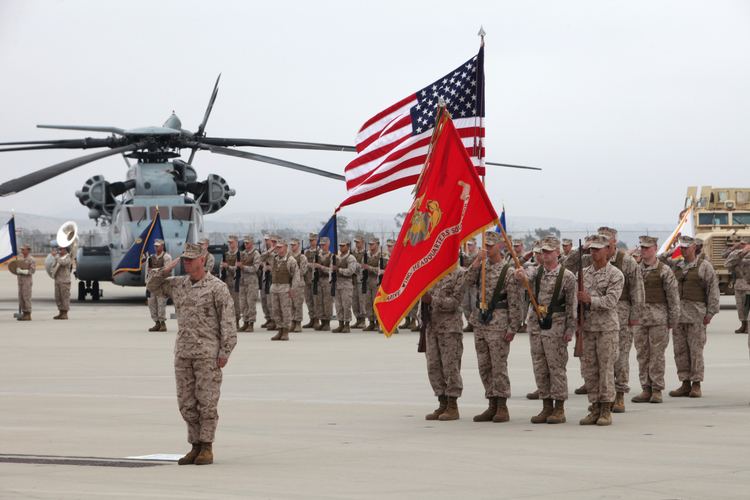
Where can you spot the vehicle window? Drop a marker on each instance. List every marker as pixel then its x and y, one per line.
pixel 163 212
pixel 136 214
pixel 743 196
pixel 741 218
pixel 723 196
pixel 713 219
pixel 182 213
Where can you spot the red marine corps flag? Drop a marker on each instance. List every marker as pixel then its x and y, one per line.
pixel 450 206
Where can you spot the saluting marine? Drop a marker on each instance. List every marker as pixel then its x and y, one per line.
pixel 698 287
pixel 231 273
pixel 61 271
pixel 25 269
pixel 495 326
pixel 157 301
pixel 206 336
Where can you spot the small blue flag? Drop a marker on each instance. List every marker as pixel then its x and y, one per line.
pixel 330 231
pixel 133 260
pixel 8 248
pixel 502 222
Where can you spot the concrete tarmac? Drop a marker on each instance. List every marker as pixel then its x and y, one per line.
pixel 339 416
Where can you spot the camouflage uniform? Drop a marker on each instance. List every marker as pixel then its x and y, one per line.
pixel 490 338
pixel 549 350
pixel 698 287
pixel 61 272
pixel 735 263
pixel 325 300
pixel 471 292
pixel 444 336
pixel 284 278
pixel 266 259
pixel 310 298
pixel 377 262
pixel 629 308
pixel 157 302
pixel 359 307
pixel 250 263
pixel 25 281
pixel 231 275
pixel 210 263
pixel 661 311
pixel 601 325
pixel 298 292
pixel 345 268
pixel 205 332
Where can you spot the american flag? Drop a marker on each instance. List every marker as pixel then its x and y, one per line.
pixel 392 145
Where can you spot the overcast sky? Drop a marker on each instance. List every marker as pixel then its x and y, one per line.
pixel 623 104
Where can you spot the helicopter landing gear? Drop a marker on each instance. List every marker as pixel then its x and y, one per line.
pixel 89 287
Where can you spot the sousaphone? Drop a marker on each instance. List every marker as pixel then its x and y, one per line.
pixel 67 237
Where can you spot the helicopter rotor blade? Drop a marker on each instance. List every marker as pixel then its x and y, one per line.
pixel 508 165
pixel 267 143
pixel 93 128
pixel 202 127
pixel 24 182
pixel 268 159
pixel 64 144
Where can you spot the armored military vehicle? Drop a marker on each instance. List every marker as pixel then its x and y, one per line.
pixel 721 217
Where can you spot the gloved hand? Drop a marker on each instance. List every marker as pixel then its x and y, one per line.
pixel 23 272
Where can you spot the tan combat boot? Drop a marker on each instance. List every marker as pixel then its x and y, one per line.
pixel 360 323
pixel 468 328
pixel 414 326
pixel 502 414
pixel 243 328
pixel 190 457
pixel 605 417
pixel 558 413
pixel 370 327
pixel 265 323
pixel 59 315
pixel 297 327
pixel 271 325
pixel 582 390
pixel 26 317
pixel 533 395
pixel 593 415
pixel 309 324
pixel 406 323
pixel 162 326
pixel 325 325
pixel 544 414
pixel 451 412
pixel 155 328
pixel 284 334
pixel 346 328
pixel 278 335
pixel 206 456
pixel 695 391
pixel 682 391
pixel 250 327
pixel 655 397
pixel 643 397
pixel 486 415
pixel 443 400
pixel 338 328
pixel 619 405
pixel 742 328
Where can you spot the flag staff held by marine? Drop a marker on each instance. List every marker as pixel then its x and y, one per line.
pixel 145 243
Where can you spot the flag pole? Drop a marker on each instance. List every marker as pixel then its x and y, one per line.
pixel 526 283
pixel 478 150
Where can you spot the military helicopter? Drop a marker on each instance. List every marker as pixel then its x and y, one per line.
pixel 158 179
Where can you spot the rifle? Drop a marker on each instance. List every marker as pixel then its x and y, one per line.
pixel 316 275
pixel 267 278
pixel 380 268
pixel 365 274
pixel 578 348
pixel 259 272
pixel 424 315
pixel 334 274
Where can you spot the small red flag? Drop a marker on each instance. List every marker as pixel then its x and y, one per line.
pixel 450 206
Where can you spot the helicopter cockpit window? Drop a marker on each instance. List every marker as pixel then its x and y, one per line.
pixel 713 219
pixel 741 219
pixel 163 213
pixel 136 214
pixel 182 213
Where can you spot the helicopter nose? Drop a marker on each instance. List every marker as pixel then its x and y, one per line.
pixel 173 122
